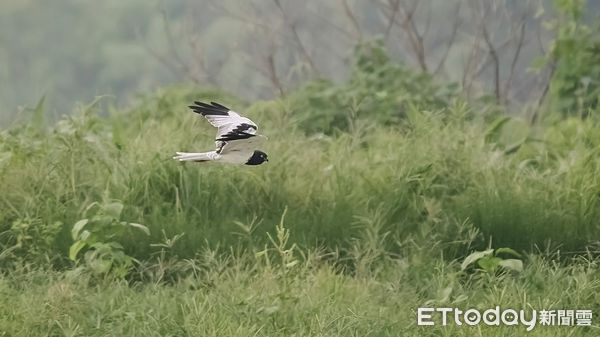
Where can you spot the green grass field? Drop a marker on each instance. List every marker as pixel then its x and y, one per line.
pixel 244 297
pixel 365 212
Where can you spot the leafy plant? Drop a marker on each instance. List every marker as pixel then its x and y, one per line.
pixel 490 261
pixel 280 245
pixel 99 235
pixel 33 238
pixel 379 89
pixel 286 264
pixel 574 56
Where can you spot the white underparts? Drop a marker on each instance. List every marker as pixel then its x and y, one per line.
pixel 204 156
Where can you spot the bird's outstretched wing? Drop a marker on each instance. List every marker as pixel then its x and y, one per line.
pixel 230 126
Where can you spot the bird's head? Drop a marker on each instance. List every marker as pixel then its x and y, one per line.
pixel 257 158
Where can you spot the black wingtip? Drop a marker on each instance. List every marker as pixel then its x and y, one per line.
pixel 206 109
pixel 215 104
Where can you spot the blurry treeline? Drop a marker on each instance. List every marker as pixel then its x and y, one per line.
pixel 509 52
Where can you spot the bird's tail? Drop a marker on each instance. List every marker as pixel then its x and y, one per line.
pixel 198 157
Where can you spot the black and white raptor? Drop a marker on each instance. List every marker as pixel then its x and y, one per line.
pixel 236 141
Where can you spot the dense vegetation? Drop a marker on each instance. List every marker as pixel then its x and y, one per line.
pixel 375 192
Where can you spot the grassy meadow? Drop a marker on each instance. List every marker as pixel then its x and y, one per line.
pixel 375 193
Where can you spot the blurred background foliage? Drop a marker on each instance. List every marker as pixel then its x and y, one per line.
pixel 512 52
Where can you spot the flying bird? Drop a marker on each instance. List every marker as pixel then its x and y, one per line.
pixel 236 140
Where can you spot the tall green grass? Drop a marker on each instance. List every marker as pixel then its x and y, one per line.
pixel 246 296
pixel 435 167
pixel 366 210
